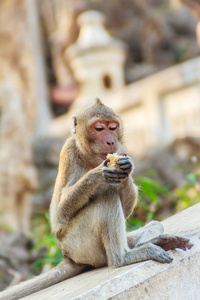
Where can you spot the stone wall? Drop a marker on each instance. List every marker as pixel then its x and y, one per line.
pixel 20 93
pixel 160 108
pixel 155 110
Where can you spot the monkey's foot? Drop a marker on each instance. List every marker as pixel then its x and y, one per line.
pixel 168 242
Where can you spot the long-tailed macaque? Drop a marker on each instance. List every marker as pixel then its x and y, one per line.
pixel 91 202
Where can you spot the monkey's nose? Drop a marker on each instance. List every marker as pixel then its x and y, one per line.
pixel 110 143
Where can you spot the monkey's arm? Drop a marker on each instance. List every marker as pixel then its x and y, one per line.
pixel 128 196
pixel 74 197
pixel 72 193
pixel 128 190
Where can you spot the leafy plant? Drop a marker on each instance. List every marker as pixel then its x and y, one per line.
pixel 150 193
pixel 178 54
pixel 189 193
pixel 43 239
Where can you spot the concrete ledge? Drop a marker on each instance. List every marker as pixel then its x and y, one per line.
pixel 147 280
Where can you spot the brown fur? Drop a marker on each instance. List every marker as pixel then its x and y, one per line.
pixel 91 202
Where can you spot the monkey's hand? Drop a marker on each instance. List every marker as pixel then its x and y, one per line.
pixel 112 175
pixel 168 242
pixel 126 164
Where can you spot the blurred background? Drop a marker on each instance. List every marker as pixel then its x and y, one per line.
pixel 139 57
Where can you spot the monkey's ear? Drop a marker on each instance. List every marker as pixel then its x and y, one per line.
pixel 75 124
pixel 98 101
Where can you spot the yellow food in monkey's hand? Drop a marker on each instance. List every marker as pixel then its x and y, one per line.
pixel 113 159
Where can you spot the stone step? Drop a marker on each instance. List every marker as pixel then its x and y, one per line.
pixel 147 280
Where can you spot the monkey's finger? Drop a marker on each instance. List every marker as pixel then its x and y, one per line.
pixel 113 180
pixel 113 174
pixel 115 171
pixel 127 170
pixel 126 167
pixel 161 255
pixel 184 243
pixel 171 242
pixel 189 245
pixel 125 163
pixel 121 178
pixel 105 162
pixel 117 177
pixel 164 258
pixel 125 175
pixel 123 160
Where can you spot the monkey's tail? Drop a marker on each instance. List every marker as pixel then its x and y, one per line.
pixel 66 269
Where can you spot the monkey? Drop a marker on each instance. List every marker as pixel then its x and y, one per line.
pixel 91 202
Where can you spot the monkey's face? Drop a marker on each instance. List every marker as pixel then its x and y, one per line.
pixel 99 131
pixel 103 136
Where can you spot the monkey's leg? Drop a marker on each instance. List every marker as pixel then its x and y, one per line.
pixel 66 269
pixel 119 254
pixel 168 242
pixel 146 252
pixel 144 234
pixel 152 233
pixel 118 257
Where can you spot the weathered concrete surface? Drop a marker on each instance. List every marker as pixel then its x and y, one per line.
pixel 147 280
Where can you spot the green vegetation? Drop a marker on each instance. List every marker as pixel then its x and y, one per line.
pixel 189 193
pixel 43 239
pixel 153 195
pixel 178 54
pixel 150 194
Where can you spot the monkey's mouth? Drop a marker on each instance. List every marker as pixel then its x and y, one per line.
pixel 103 155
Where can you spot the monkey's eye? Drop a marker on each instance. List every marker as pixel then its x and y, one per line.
pixel 113 128
pixel 99 128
